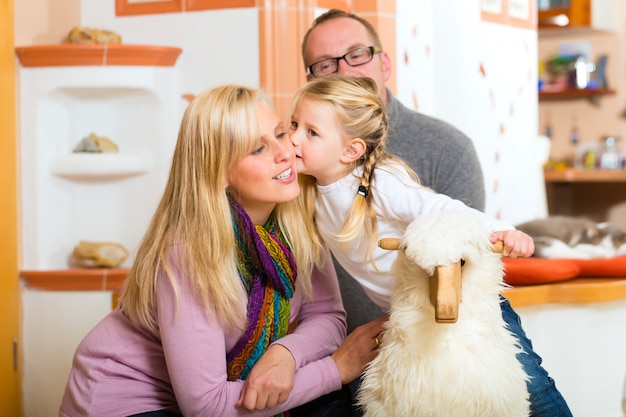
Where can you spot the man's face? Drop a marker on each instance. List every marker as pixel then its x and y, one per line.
pixel 334 38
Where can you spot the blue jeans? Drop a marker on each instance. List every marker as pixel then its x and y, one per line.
pixel 545 398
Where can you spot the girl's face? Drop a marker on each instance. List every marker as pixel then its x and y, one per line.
pixel 319 141
pixel 267 175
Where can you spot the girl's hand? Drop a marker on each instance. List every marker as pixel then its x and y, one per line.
pixel 516 243
pixel 270 380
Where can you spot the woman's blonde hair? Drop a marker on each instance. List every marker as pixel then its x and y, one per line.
pixel 192 225
pixel 360 113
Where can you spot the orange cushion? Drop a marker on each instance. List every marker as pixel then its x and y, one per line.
pixel 609 267
pixel 529 271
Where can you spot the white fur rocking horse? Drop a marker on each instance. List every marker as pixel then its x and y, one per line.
pixel 446 367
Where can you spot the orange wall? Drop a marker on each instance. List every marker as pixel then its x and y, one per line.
pixel 282 29
pixel 9 379
pixel 52 20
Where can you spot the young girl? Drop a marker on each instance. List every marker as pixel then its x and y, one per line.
pixel 356 191
pixel 230 307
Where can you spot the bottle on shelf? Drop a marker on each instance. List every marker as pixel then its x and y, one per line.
pixel 611 157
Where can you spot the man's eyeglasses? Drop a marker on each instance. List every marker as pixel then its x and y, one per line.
pixel 354 58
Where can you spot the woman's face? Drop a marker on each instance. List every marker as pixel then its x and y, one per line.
pixel 267 175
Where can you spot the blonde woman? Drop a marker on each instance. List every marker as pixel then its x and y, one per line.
pixel 231 306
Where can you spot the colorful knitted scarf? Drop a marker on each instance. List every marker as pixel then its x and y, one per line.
pixel 268 271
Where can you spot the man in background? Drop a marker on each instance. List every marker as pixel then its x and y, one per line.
pixel 444 158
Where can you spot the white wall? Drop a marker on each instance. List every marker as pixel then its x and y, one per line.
pixel 219 46
pixel 447 44
pixel 415 69
pixel 54 325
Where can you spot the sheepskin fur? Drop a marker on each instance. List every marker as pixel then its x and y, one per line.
pixel 465 369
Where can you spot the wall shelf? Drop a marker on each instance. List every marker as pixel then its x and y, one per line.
pixel 585 175
pixel 98 166
pixel 96 279
pixel 573 93
pixel 578 290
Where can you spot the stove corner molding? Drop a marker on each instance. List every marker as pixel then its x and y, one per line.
pixel 96 54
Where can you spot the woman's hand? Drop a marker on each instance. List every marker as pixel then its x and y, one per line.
pixel 358 349
pixel 270 380
pixel 516 243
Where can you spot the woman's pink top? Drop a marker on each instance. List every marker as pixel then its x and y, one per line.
pixel 120 370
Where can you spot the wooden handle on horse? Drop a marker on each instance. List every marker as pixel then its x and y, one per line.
pixel 445 284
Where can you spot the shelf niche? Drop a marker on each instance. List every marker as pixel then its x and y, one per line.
pixel 66 95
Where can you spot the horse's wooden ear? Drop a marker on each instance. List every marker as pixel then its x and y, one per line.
pixel 498 247
pixel 389 243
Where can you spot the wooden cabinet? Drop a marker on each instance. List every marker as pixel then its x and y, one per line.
pixel 585 192
pixel 578 14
